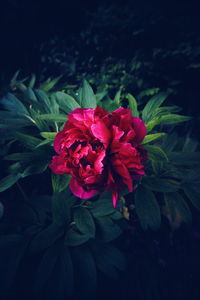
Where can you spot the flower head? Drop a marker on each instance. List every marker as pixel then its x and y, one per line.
pixel 100 151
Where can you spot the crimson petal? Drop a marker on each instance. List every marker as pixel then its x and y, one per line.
pixel 140 130
pixel 78 191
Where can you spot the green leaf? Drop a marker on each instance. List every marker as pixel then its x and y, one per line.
pixel 21 86
pixel 79 95
pixel 117 215
pixel 49 84
pixel 170 119
pixel 46 238
pixel 30 96
pixel 14 78
pixel 88 97
pixel 37 167
pixel 73 238
pixel 147 208
pixel 29 141
pixel 117 97
pixel 43 99
pixel 193 194
pixel 40 124
pixel 159 184
pixel 133 105
pixel 109 259
pixel 66 102
pixel 53 117
pixel 167 109
pixel 26 156
pixel 184 158
pixel 40 155
pixel 110 105
pixel 11 103
pixel 101 95
pixel 148 92
pixel 9 181
pixel 177 204
pixel 11 120
pixel 155 153
pixel 32 81
pixel 14 123
pixel 84 221
pixel 9 115
pixel 151 124
pixel 61 207
pixel 103 206
pixel 45 142
pixel 48 135
pixel 152 137
pixel 60 182
pixel 54 105
pixel 151 106
pixel 108 230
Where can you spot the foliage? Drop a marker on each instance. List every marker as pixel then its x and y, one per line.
pixel 76 239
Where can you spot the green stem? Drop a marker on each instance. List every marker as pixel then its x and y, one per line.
pixel 56 125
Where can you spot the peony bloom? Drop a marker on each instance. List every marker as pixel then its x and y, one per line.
pixel 100 151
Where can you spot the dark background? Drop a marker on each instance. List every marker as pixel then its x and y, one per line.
pixel 49 38
pixel 33 33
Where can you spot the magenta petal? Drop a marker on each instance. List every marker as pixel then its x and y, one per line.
pixel 86 116
pixel 58 165
pixel 57 142
pixel 121 169
pixel 78 191
pixel 117 133
pixel 101 132
pixel 140 129
pixel 115 198
pixel 98 164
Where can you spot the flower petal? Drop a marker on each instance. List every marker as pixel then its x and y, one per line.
pixel 78 191
pixel 57 142
pixel 117 133
pixel 121 169
pixel 115 197
pixel 101 132
pixel 140 130
pixel 98 164
pixel 58 165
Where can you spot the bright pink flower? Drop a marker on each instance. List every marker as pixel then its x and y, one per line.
pixel 100 151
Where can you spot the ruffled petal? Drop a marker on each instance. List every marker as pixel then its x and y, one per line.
pixel 117 133
pixel 98 164
pixel 58 165
pixel 101 132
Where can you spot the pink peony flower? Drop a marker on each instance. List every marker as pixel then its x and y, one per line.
pixel 100 151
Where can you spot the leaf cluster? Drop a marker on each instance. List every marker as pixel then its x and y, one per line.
pixel 75 239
